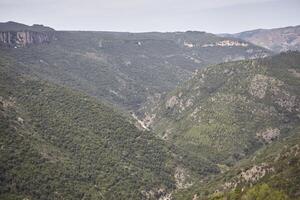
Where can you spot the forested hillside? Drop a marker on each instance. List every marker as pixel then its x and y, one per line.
pixel 271 173
pixel 60 144
pixel 221 119
pixel 125 69
pixel 235 111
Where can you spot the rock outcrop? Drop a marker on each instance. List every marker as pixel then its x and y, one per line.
pixel 18 39
pixel 13 34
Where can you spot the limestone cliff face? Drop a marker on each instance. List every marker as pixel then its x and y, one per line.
pixel 24 38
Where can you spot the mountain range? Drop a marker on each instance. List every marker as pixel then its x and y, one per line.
pixel 174 115
pixel 122 68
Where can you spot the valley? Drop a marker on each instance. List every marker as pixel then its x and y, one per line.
pixel 155 115
pixel 125 69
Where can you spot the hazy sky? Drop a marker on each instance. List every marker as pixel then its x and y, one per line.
pixel 216 16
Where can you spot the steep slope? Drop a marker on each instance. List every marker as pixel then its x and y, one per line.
pixel 243 116
pixel 228 111
pixel 271 173
pixel 60 144
pixel 57 143
pixel 127 69
pixel 278 39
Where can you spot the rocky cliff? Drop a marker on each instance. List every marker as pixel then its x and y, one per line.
pixel 24 38
pixel 13 34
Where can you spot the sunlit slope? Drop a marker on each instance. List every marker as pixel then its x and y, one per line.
pixel 228 111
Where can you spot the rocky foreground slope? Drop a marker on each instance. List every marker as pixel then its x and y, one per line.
pixel 270 173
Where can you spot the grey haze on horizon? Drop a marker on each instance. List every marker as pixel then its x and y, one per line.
pixel 216 16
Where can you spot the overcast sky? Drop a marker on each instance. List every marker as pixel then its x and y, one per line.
pixel 216 16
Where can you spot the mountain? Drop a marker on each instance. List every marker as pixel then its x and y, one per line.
pixel 221 117
pixel 61 143
pixel 232 108
pixel 278 39
pixel 58 143
pixel 125 69
pixel 232 111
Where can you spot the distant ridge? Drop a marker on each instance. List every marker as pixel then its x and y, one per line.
pixel 277 39
pixel 14 26
pixel 125 69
